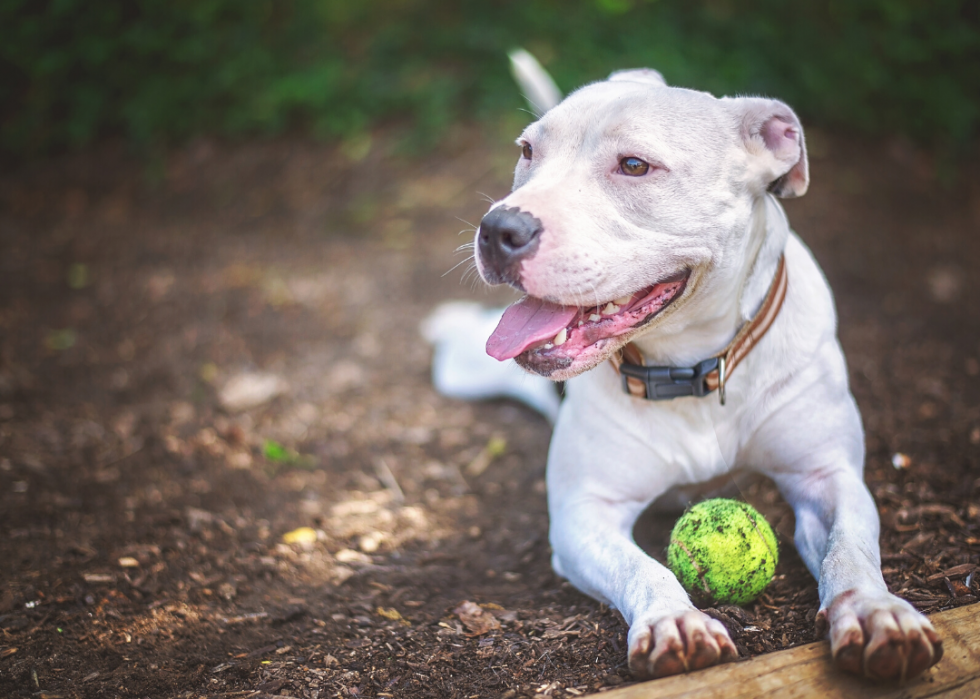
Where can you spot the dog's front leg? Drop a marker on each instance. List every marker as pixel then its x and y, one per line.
pixel 594 549
pixel 872 632
pixel 600 478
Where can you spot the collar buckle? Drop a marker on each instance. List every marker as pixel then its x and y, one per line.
pixel 666 382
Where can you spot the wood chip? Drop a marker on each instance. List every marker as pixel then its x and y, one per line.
pixel 476 619
pixel 957 589
pixel 959 571
pixel 919 540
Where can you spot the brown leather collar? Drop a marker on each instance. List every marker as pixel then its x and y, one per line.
pixel 663 383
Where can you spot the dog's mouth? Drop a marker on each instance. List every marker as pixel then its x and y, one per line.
pixel 547 337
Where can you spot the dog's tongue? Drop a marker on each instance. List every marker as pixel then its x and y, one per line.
pixel 528 321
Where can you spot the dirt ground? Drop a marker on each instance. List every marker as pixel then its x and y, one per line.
pixel 142 520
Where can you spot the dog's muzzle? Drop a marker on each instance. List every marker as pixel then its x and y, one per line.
pixel 507 237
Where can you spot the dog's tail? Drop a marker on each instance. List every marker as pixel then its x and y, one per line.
pixel 539 89
pixel 461 367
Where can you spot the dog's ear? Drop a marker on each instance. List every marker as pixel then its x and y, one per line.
pixel 772 134
pixel 639 75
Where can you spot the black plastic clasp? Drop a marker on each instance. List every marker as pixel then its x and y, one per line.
pixel 666 382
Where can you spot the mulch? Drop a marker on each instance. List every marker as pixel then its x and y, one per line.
pixel 142 522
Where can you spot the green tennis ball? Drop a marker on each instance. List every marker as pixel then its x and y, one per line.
pixel 723 551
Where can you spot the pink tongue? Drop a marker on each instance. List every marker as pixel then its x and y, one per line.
pixel 528 321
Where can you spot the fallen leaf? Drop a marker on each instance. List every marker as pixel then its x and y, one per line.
pixel 303 535
pixel 351 556
pixel 476 619
pixel 59 340
pixel 251 390
pixel 274 451
pixel 78 276
pixel 392 615
pixel 496 446
pixel 280 454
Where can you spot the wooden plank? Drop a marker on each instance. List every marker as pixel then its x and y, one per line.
pixel 805 672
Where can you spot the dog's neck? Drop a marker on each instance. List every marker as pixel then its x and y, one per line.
pixel 711 324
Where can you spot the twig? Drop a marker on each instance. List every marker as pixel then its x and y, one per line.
pixel 388 479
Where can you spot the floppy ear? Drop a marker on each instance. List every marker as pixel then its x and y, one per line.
pixel 639 75
pixel 772 134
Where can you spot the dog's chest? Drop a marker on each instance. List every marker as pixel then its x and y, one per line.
pixel 686 442
pixel 678 442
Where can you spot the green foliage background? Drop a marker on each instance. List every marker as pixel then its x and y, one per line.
pixel 164 70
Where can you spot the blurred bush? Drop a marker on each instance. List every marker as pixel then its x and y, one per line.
pixel 164 70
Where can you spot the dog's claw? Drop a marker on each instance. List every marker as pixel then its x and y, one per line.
pixel 667 659
pixel 881 637
pixel 850 657
pixel 676 644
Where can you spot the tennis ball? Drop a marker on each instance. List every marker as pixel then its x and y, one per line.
pixel 723 551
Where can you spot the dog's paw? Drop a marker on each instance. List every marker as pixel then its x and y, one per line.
pixel 880 636
pixel 678 643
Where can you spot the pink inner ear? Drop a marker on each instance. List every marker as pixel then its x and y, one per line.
pixel 781 137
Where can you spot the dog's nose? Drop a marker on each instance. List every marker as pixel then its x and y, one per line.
pixel 507 237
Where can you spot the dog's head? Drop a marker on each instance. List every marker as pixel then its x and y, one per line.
pixel 632 202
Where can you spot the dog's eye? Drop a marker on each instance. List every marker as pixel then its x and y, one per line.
pixel 527 151
pixel 634 167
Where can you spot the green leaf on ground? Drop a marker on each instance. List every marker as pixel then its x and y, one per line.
pixel 281 454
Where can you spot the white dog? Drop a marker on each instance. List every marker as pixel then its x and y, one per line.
pixel 647 214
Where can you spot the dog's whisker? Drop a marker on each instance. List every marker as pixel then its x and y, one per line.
pixel 534 105
pixel 468 258
pixel 471 278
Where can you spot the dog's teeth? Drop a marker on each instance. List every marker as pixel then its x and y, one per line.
pixel 580 323
pixel 594 317
pixel 561 337
pixel 610 309
pixel 622 301
pixel 548 345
